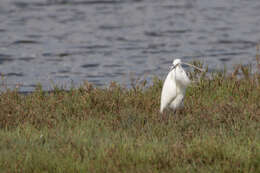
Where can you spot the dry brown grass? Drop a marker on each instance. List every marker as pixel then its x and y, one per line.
pixel 117 129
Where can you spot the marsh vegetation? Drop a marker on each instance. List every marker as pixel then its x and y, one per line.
pixel 118 129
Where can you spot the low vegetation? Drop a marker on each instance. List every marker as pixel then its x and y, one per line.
pixel 117 129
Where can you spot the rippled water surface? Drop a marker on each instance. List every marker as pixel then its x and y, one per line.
pixel 65 42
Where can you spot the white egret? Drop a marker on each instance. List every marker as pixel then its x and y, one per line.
pixel 174 86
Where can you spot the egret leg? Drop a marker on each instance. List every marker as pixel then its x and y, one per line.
pixel 164 116
pixel 177 103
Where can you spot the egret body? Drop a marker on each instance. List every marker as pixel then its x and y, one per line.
pixel 174 87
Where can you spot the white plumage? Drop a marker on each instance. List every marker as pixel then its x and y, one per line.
pixel 175 84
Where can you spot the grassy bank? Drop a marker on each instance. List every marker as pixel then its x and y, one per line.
pixel 120 130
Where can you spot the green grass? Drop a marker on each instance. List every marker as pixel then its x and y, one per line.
pixel 120 130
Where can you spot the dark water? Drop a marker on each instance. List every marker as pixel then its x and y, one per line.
pixel 65 42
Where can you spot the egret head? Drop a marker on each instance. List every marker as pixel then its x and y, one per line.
pixel 176 62
pixel 178 74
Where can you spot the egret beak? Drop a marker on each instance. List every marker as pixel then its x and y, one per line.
pixel 200 69
pixel 174 66
pixel 171 67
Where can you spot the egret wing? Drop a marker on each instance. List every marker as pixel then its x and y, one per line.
pixel 168 92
